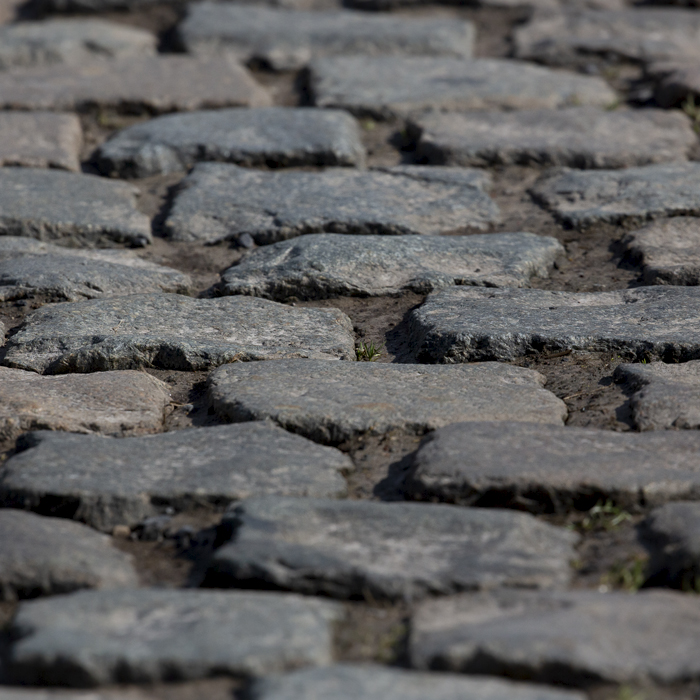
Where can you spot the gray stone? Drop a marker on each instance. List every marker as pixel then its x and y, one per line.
pixel 580 137
pixel 389 87
pixel 634 195
pixel 665 396
pixel 45 556
pixel 40 140
pixel 288 39
pixel 675 81
pixel 574 638
pixel 333 403
pixel 499 4
pixel 276 136
pixel 71 41
pixel 171 331
pixel 465 324
pixel 95 638
pixel 377 683
pixel 326 265
pixel 109 403
pixel 219 202
pixel 122 482
pixel 553 469
pixel 572 37
pixel 81 210
pixel 398 551
pixel 152 84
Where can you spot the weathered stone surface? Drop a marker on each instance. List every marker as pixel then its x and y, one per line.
pixel 580 137
pixel 277 136
pixel 571 37
pixel 152 84
pixel 71 207
pixel 389 87
pixel 582 198
pixel 71 41
pixel 45 556
pixel 326 265
pixel 676 80
pixel 575 638
pixel 40 140
pixel 388 550
pixel 464 324
pixel 95 638
pixel 333 403
pixel 170 331
pixel 109 403
pixel 121 482
pixel 219 202
pixel 547 468
pixel 377 683
pixel 288 39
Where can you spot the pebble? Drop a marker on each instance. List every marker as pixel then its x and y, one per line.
pixel 395 551
pixel 332 403
pixel 274 136
pixel 220 202
pixel 112 482
pixel 675 81
pixel 391 87
pixel 171 331
pixel 579 137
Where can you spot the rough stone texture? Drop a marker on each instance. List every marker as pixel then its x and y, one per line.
pixel 666 396
pixel 117 482
pixel 220 202
pixel 390 87
pixel 45 556
pixel 464 324
pixel 571 37
pixel 388 550
pixel 547 468
pixel 153 84
pixel 73 41
pixel 30 268
pixel 575 638
pixel 277 136
pixel 170 331
pixel 327 265
pixel 288 39
pixel 676 80
pixel 95 638
pixel 582 198
pixel 580 137
pixel 109 403
pixel 333 403
pixel 377 683
pixel 40 140
pixel 74 208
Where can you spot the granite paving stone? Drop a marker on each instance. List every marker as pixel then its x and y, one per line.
pixel 112 482
pixel 77 209
pixel 40 140
pixel 45 556
pixel 333 403
pixel 675 80
pixel 580 137
pixel 553 469
pixel 171 331
pixel 326 265
pixel 274 136
pixel 397 551
pixel 390 87
pixel 377 683
pixel 573 638
pixel 93 638
pixel 634 195
pixel 151 84
pixel 220 202
pixel 287 39
pixel 108 403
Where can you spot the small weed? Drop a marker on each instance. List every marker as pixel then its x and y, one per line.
pixel 368 124
pixel 690 582
pixel 367 352
pixel 612 106
pixel 389 644
pixel 693 111
pixel 604 515
pixel 628 575
pixel 627 693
